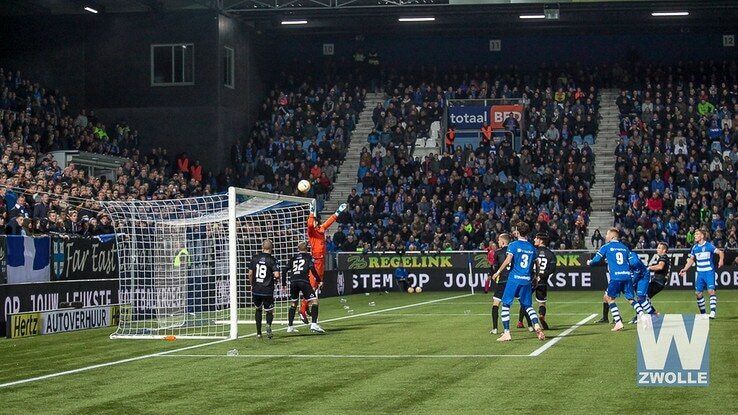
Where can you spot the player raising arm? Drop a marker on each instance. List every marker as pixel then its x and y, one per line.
pixel 300 268
pixel 701 254
pixel 316 234
pixel 263 272
pixel 615 253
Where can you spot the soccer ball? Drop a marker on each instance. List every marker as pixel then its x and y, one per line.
pixel 410 290
pixel 303 186
pixel 418 290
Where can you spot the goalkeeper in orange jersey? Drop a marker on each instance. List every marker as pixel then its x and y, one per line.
pixel 316 235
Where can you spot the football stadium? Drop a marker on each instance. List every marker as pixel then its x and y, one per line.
pixel 368 206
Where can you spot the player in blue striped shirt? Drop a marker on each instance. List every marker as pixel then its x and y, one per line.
pixel 641 279
pixel 701 254
pixel 616 254
pixel 521 254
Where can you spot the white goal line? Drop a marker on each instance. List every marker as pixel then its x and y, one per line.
pixel 197 346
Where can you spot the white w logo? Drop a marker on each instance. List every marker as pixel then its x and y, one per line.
pixel 655 351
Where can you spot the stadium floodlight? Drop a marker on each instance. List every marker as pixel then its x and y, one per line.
pixel 90 9
pixel 416 19
pixel 532 16
pixel 294 22
pixel 183 263
pixel 669 14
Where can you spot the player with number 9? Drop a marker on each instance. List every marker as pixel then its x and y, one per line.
pixel 616 254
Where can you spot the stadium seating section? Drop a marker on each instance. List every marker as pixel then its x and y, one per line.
pixel 675 166
pixel 676 160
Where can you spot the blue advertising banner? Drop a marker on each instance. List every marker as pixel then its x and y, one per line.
pixel 470 117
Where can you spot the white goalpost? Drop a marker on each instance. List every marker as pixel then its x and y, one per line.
pixel 183 262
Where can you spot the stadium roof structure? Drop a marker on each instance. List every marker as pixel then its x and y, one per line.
pixel 455 15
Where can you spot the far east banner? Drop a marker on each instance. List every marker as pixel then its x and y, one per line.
pixel 450 271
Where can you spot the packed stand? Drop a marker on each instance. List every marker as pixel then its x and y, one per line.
pixel 302 133
pixel 38 196
pixel 463 199
pixel 677 157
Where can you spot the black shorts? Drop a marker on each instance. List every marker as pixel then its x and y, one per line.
pixel 498 288
pixel 265 302
pixel 541 291
pixel 655 287
pixel 304 287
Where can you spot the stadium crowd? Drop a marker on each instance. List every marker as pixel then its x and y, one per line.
pixel 462 199
pixel 677 158
pixel 302 133
pixel 38 196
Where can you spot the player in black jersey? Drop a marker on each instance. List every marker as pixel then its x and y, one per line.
pixel 299 269
pixel 660 272
pixel 545 268
pixel 498 286
pixel 263 273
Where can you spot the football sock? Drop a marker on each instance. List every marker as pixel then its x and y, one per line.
pixel 605 309
pixel 713 303
pixel 314 313
pixel 701 305
pixel 532 315
pixel 505 314
pixel 520 315
pixel 270 317
pixel 257 316
pixel 647 306
pixel 303 307
pixel 542 311
pixel 615 312
pixel 495 315
pixel 637 307
pixel 291 314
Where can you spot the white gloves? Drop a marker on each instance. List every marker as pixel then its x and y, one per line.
pixel 341 208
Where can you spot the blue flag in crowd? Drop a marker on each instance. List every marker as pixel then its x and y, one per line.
pixel 28 259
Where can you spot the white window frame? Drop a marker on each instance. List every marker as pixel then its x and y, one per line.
pixel 232 68
pixel 173 47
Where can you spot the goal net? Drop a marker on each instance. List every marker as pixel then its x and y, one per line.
pixel 184 262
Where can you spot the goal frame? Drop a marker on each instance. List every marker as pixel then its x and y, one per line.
pixel 233 322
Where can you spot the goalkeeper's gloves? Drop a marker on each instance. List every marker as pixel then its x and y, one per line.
pixel 341 209
pixel 312 208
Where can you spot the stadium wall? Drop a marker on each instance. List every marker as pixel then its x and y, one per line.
pixel 103 62
pixel 523 49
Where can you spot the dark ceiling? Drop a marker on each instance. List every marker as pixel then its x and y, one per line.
pixel 365 16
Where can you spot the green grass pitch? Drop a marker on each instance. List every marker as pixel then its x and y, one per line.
pixel 426 353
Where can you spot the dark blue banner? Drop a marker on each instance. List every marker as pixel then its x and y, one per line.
pixel 468 117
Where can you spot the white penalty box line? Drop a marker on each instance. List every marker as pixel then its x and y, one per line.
pixel 212 343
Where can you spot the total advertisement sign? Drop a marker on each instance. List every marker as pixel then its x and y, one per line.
pixel 473 117
pixel 463 271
